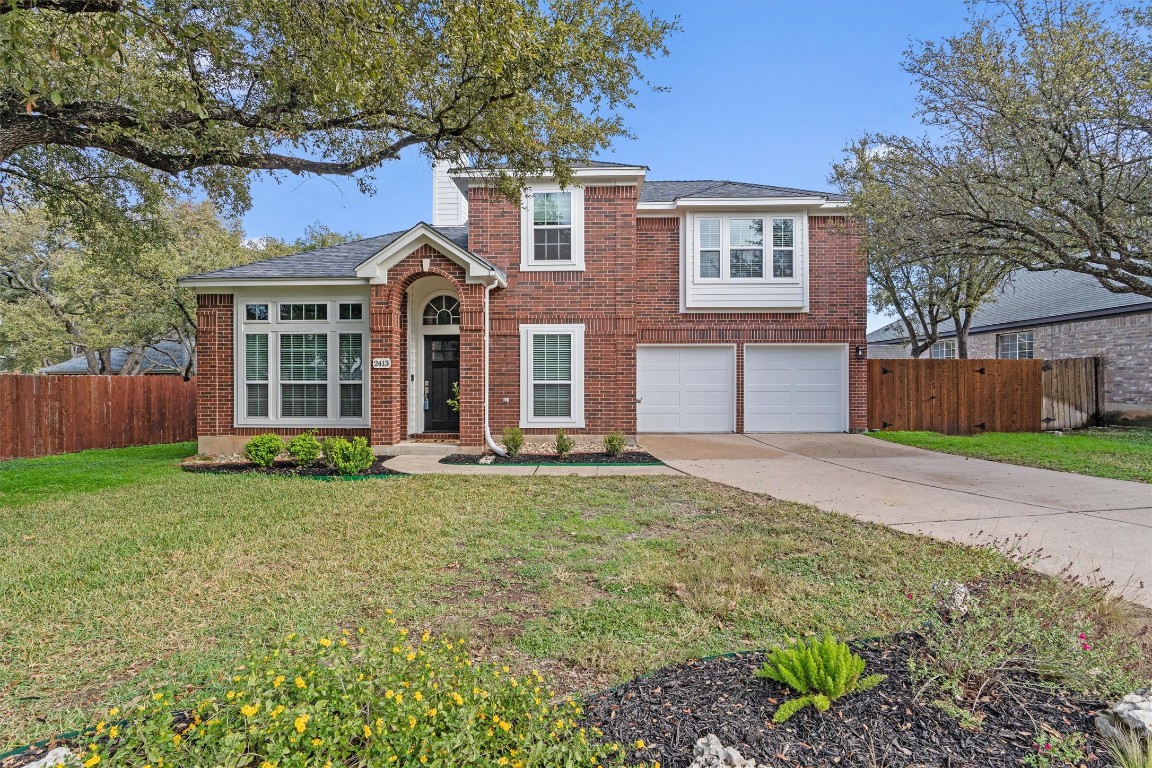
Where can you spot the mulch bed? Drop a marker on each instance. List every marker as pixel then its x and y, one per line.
pixel 673 707
pixel 628 457
pixel 284 468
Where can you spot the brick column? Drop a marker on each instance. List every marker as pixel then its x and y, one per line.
pixel 214 364
pixel 388 396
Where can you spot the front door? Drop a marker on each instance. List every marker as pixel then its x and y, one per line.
pixel 441 371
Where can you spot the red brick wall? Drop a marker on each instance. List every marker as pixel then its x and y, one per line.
pixel 214 364
pixel 630 294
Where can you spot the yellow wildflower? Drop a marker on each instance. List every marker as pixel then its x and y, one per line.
pixel 302 722
pixel 367 731
pixel 403 632
pixel 100 726
pixel 505 726
pixel 639 743
pixel 113 732
pixel 457 698
pixel 249 709
pixel 91 761
pixel 317 742
pixel 300 683
pixel 278 681
pixel 426 636
pixel 411 656
pixel 325 642
pixel 114 711
pixel 502 761
pixel 411 721
pixel 418 696
pixel 431 712
pixel 389 693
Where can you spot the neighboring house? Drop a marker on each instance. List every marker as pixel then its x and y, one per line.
pixel 163 357
pixel 617 304
pixel 1054 315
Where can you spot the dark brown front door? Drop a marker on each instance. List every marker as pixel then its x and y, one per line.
pixel 441 371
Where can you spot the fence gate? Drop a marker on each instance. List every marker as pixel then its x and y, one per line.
pixel 955 397
pixel 1073 392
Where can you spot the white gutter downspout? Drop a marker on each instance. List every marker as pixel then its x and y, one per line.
pixel 492 446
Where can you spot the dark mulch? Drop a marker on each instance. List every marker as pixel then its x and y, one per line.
pixel 675 706
pixel 285 469
pixel 628 457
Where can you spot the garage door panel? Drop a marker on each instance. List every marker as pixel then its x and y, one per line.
pixel 685 388
pixel 794 388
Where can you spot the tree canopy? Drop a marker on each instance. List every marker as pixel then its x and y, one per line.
pixel 1039 137
pixel 104 104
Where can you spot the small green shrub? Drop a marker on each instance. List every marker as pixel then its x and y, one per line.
pixel 564 444
pixel 513 441
pixel 454 401
pixel 304 448
pixel 348 457
pixel 1130 750
pixel 614 444
pixel 1057 751
pixel 820 670
pixel 262 450
pixel 354 698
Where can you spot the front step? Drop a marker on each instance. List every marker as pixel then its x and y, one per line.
pixel 417 448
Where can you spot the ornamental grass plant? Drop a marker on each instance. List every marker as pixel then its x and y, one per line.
pixel 354 698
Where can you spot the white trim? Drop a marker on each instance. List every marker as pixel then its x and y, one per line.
pixel 628 174
pixel 527 420
pixel 845 364
pixel 375 268
pixel 263 282
pixel 751 203
pixel 273 328
pixel 527 261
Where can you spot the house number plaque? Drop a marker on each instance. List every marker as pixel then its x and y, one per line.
pixel 381 362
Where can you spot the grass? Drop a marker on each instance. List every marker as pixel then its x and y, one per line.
pixel 1122 454
pixel 157 575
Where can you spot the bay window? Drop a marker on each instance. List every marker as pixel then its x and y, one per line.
pixel 302 363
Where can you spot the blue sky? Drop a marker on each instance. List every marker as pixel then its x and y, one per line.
pixel 766 91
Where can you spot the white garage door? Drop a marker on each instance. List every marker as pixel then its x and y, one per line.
pixel 685 388
pixel 795 388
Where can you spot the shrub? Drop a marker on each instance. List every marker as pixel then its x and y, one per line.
pixel 348 458
pixel 355 699
pixel 820 670
pixel 262 450
pixel 1053 751
pixel 1131 750
pixel 304 448
pixel 614 444
pixel 454 401
pixel 564 444
pixel 513 440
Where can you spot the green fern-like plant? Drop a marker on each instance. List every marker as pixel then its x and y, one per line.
pixel 821 671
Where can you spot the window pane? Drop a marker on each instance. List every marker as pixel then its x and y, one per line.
pixel 782 233
pixel 257 400
pixel 351 357
pixel 304 357
pixel 552 357
pixel 552 244
pixel 782 263
pixel 256 312
pixel 351 311
pixel 710 233
pixel 351 400
pixel 442 310
pixel 304 400
pixel 1024 346
pixel 709 263
pixel 746 232
pixel 303 311
pixel 746 262
pixel 552 208
pixel 256 357
pixel 552 400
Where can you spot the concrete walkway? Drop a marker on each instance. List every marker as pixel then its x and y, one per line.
pixel 1087 521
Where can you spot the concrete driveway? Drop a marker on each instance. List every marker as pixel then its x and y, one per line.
pixel 1090 522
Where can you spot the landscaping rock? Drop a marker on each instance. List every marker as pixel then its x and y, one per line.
pixel 952 598
pixel 58 756
pixel 710 753
pixel 1133 713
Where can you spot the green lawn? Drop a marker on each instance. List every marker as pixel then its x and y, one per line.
pixel 1124 454
pixel 118 571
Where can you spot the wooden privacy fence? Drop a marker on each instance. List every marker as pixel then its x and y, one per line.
pixel 42 415
pixel 1073 393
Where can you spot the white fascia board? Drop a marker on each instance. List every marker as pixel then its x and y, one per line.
pixel 730 203
pixel 375 268
pixel 621 177
pixel 251 282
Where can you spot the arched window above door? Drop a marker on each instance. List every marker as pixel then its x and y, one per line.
pixel 442 310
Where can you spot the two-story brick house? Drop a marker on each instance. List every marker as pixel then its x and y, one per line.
pixel 616 304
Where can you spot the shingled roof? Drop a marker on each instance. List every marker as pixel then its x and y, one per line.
pixel 1037 298
pixel 712 189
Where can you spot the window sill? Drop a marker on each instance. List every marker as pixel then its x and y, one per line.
pixel 552 424
pixel 551 266
pixel 305 423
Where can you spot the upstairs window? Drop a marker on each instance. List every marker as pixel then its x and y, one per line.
pixel 553 229
pixel 1015 346
pixel 734 248
pixel 943 350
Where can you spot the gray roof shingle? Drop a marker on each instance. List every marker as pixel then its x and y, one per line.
pixel 1037 298
pixel 713 189
pixel 337 261
pixel 162 357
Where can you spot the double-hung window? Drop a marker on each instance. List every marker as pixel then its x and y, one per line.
pixel 302 363
pixel 746 247
pixel 552 230
pixel 552 375
pixel 945 349
pixel 1015 346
